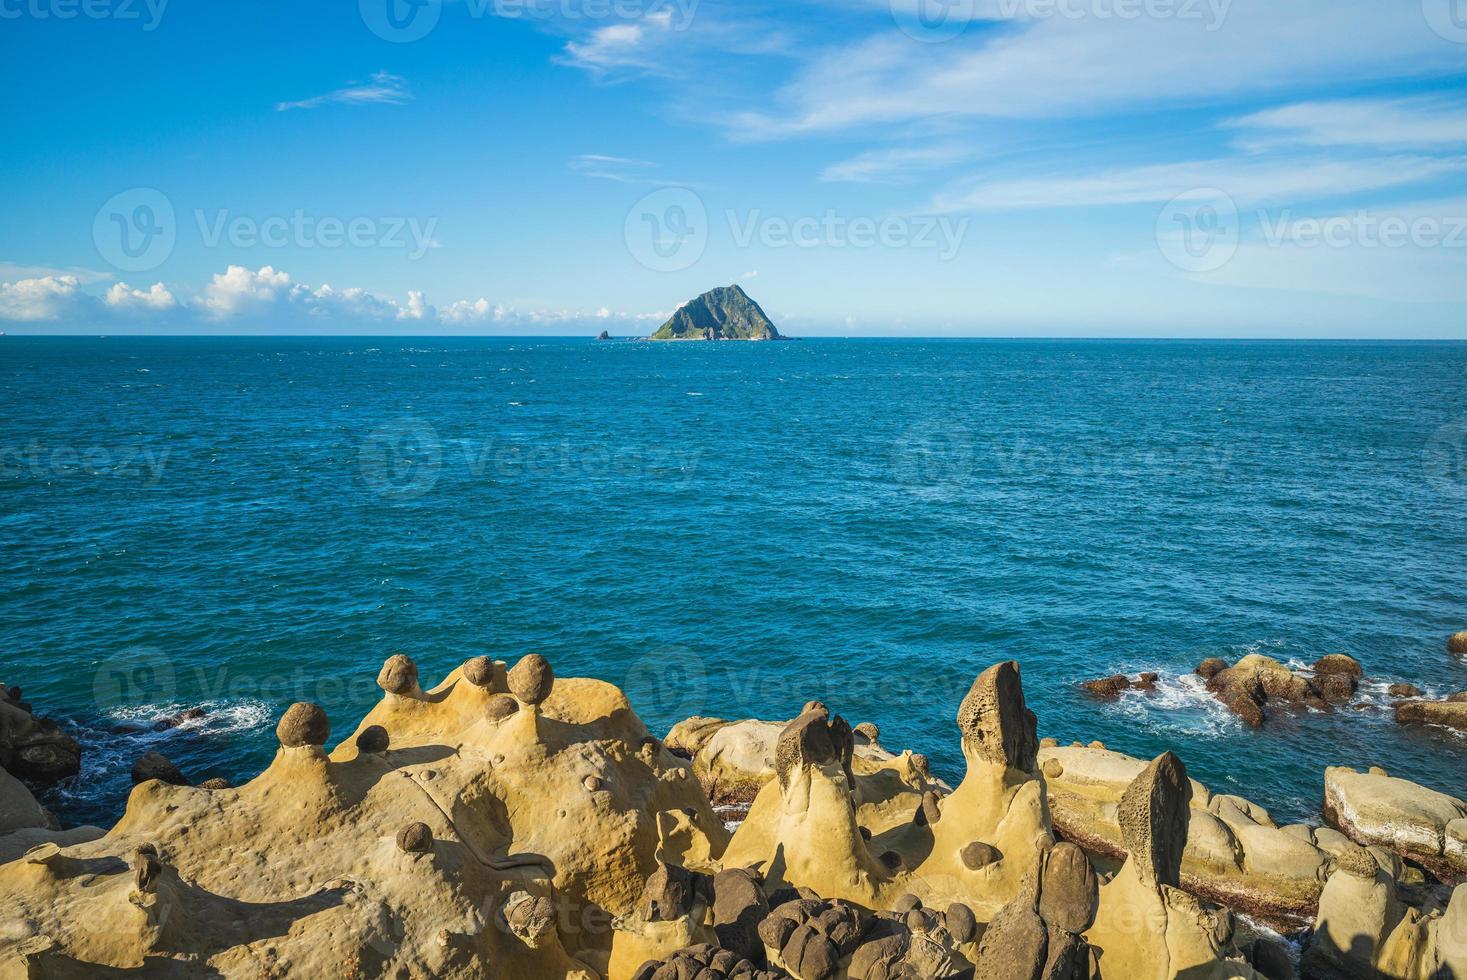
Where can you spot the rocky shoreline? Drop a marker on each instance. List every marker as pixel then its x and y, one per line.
pixel 510 823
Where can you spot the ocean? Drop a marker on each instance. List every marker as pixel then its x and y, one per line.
pixel 733 530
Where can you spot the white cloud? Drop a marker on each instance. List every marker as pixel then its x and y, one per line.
pixel 1405 124
pixel 381 87
pixel 124 298
pixel 268 299
pixel 45 298
pixel 237 290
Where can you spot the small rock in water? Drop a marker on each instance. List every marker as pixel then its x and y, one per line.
pixel 155 765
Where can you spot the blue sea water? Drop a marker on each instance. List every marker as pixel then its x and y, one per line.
pixel 733 529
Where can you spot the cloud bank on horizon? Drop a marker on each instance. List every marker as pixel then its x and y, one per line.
pixel 1174 167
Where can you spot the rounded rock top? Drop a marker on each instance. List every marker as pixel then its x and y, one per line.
pixel 531 679
pixel 1457 643
pixel 399 675
pixel 479 671
pixel 415 838
pixel 303 724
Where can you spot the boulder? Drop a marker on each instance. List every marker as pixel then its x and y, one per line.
pixel 1448 713
pixel 1457 642
pixel 1424 825
pixel 1234 853
pixel 33 748
pixel 155 765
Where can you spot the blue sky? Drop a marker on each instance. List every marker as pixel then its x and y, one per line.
pixel 925 167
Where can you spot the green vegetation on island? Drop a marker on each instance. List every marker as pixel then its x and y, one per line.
pixel 725 313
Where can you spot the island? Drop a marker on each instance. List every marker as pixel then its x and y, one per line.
pixel 603 335
pixel 725 313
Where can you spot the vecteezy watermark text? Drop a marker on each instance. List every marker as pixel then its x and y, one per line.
pixel 833 230
pixel 301 230
pixel 36 460
pixel 941 20
pixel 404 21
pixel 148 12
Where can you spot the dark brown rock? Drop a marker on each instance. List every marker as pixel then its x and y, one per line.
pixel 1108 687
pixel 415 838
pixel 174 720
pixel 739 906
pixel 500 706
pixel 1015 945
pixel 531 679
pixel 399 675
pixel 960 922
pixel 479 671
pixel 1211 667
pixel 1153 815
pixel 303 724
pixel 979 854
pixel 373 738
pixel 155 765
pixel 1457 642
pixel 1069 893
pixel 1339 663
pixel 1405 691
pixel 146 869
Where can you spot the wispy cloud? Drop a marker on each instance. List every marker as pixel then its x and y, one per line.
pixel 11 271
pixel 1406 124
pixel 381 87
pixel 621 169
pixel 897 165
pixel 1061 67
pixel 1247 181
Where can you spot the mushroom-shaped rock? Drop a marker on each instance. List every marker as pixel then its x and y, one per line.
pixel 155 765
pixel 868 731
pixel 303 724
pixel 399 675
pixel 531 679
pixel 373 738
pixel 995 723
pixel 1153 818
pixel 479 671
pixel 415 838
pixel 215 782
pixel 814 738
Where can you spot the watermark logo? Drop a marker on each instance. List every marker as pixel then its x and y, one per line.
pixel 932 455
pixel 135 231
pixel 671 682
pixel 400 21
pixel 1198 230
pixel 1448 18
pixel 667 230
pixel 136 677
pixel 1444 459
pixel 931 21
pixel 401 460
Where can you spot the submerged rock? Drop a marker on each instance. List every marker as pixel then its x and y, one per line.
pixel 1449 713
